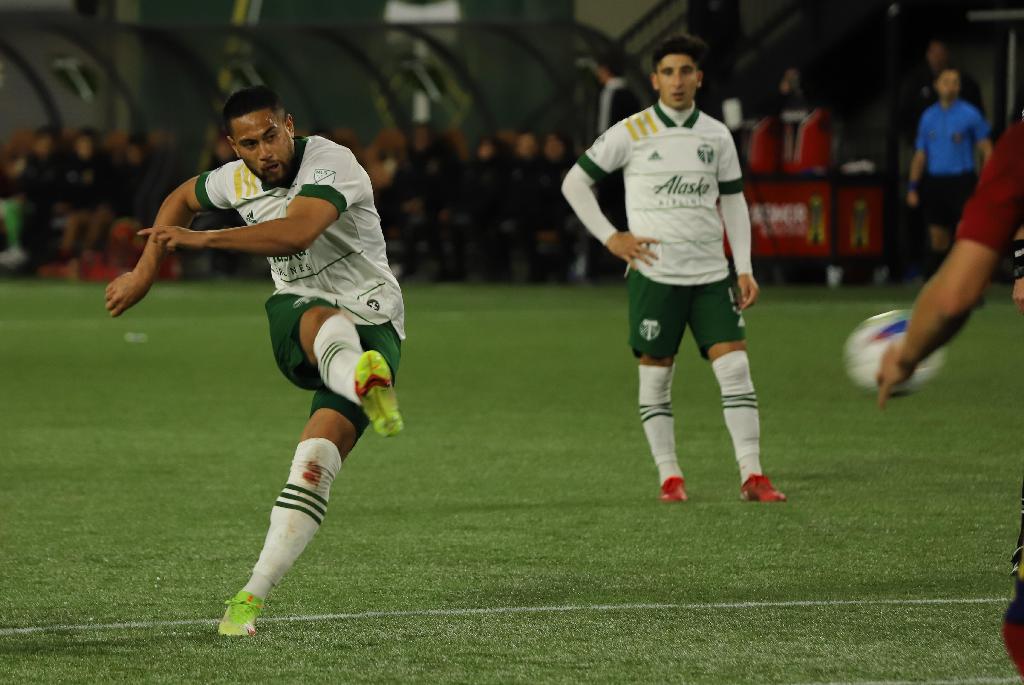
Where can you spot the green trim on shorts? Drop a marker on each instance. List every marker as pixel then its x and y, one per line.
pixel 284 312
pixel 659 314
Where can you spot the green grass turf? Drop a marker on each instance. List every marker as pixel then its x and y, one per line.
pixel 136 481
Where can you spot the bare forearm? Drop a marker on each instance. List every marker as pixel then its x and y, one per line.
pixel 277 238
pixel 932 326
pixel 917 166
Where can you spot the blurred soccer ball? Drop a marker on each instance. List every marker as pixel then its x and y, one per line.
pixel 867 343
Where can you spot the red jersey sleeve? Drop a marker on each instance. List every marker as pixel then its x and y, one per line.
pixel 996 209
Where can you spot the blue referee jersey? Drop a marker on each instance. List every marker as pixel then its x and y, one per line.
pixel 948 137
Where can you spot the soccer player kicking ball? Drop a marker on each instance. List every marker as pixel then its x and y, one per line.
pixel 336 315
pixel 678 163
pixel 990 219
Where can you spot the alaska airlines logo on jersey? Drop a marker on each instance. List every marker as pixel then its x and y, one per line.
pixel 677 185
pixel 323 176
pixel 706 153
pixel 297 255
pixel 650 329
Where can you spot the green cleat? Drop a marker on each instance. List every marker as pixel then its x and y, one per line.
pixel 377 392
pixel 240 618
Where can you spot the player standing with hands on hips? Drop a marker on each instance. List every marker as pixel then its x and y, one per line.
pixel 336 315
pixel 678 163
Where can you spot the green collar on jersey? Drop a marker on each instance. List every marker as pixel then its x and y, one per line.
pixel 300 149
pixel 667 120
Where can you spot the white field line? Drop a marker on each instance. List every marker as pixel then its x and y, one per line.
pixel 488 611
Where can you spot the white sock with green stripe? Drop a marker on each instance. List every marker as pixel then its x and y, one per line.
pixel 337 349
pixel 297 513
pixel 656 416
pixel 739 404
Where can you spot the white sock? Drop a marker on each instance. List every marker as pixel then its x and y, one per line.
pixel 656 416
pixel 337 349
pixel 297 514
pixel 739 404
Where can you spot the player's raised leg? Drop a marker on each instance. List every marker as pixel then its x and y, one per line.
pixel 296 516
pixel 330 340
pixel 739 406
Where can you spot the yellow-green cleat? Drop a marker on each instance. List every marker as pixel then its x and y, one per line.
pixel 240 618
pixel 376 390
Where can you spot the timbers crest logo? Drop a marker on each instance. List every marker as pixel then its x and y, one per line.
pixel 650 329
pixel 706 153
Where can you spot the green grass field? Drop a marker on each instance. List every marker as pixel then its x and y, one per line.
pixel 512 533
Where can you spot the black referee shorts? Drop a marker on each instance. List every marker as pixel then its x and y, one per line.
pixel 943 198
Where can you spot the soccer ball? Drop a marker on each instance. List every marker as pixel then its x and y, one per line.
pixel 868 342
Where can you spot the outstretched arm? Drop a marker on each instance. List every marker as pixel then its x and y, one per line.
pixel 307 218
pixel 941 309
pixel 177 209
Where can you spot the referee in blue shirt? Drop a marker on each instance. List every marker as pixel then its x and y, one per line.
pixel 947 136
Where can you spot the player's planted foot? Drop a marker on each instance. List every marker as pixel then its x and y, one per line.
pixel 673 490
pixel 240 618
pixel 758 488
pixel 377 392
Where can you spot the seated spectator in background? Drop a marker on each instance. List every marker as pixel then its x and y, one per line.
pixel 550 251
pixel 89 185
pixel 129 173
pixel 473 214
pixel 792 105
pixel 39 180
pixel 521 211
pixel 422 186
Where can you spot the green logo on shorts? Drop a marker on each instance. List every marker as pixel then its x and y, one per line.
pixel 650 329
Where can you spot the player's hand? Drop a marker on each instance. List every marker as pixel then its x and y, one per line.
pixel 891 372
pixel 913 199
pixel 631 248
pixel 173 237
pixel 749 290
pixel 124 291
pixel 1018 294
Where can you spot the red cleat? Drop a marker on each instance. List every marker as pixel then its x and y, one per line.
pixel 673 490
pixel 758 488
pixel 1013 637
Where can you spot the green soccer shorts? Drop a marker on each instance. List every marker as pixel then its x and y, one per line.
pixel 283 313
pixel 660 313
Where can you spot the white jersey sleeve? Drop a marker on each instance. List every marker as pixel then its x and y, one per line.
pixel 334 175
pixel 610 152
pixel 730 176
pixel 226 187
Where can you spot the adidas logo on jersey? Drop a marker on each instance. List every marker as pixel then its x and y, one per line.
pixel 655 157
pixel 249 218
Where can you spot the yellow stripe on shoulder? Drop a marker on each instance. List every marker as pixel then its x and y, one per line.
pixel 238 181
pixel 641 126
pixel 632 131
pixel 650 120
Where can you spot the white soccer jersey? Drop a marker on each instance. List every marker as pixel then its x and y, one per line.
pixel 347 264
pixel 674 173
